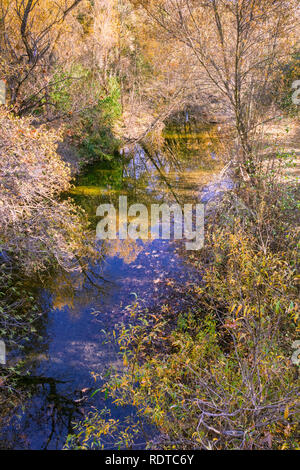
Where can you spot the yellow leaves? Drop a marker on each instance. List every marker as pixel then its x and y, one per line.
pixel 125 360
pixel 285 446
pixel 145 382
pixel 95 376
pixel 286 412
pixel 238 310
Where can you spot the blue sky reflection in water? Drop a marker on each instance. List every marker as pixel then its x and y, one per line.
pixel 77 307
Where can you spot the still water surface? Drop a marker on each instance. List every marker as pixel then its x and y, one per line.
pixel 77 307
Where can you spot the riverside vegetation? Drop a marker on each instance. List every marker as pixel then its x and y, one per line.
pixel 83 80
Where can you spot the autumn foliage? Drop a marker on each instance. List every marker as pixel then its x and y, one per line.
pixel 36 229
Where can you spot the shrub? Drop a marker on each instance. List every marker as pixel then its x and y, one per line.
pixel 36 229
pixel 222 378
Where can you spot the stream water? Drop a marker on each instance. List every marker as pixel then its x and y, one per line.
pixel 78 307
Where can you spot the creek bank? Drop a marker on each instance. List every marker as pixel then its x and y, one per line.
pixel 75 311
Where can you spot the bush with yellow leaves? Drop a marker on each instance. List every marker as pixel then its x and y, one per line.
pixel 223 378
